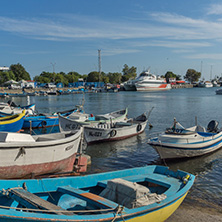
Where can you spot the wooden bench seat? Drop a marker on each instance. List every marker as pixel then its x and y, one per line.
pixel 30 200
pixel 89 197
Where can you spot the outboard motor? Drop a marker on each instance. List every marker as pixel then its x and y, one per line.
pixel 212 126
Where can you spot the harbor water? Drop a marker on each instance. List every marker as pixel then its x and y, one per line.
pixel 183 104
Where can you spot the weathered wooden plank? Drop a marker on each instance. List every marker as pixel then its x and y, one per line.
pixel 31 200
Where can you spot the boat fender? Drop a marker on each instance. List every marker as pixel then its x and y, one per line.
pixel 139 127
pixel 43 123
pixel 112 133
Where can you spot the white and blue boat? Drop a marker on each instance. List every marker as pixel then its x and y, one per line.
pixel 10 108
pixel 46 120
pixel 150 193
pixel 180 142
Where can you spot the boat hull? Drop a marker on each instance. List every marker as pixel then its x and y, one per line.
pixel 129 87
pixel 40 121
pixel 93 135
pixel 152 87
pixel 12 123
pixel 24 159
pixel 186 146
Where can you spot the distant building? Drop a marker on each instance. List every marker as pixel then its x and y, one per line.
pixel 4 68
pixel 28 84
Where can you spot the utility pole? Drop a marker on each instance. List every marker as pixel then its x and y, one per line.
pixel 53 70
pixel 99 61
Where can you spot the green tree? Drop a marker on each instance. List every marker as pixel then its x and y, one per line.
pixel 19 72
pixel 128 73
pixel 192 75
pixel 114 77
pixel 61 78
pixel 6 76
pixel 48 75
pixel 42 79
pixel 170 74
pixel 73 77
pixel 104 78
pixel 93 77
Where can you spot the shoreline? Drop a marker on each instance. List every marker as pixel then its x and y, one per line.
pixel 193 210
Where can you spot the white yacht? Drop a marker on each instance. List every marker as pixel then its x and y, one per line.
pixel 205 84
pixel 151 82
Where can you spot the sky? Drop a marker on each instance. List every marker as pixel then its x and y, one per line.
pixel 65 36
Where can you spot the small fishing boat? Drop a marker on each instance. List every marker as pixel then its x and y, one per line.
pixel 181 142
pixel 24 155
pixel 46 120
pixel 107 131
pixel 11 108
pixel 219 91
pixel 12 123
pixel 91 120
pixel 150 193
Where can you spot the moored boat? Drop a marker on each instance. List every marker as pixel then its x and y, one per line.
pixel 91 120
pixel 151 82
pixel 23 155
pixel 180 142
pixel 219 91
pixel 47 120
pixel 12 123
pixel 10 108
pixel 155 193
pixel 107 131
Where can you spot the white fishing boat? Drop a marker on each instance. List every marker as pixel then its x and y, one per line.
pixel 10 108
pixel 91 120
pixel 24 155
pixel 151 82
pixel 205 84
pixel 180 142
pixel 108 131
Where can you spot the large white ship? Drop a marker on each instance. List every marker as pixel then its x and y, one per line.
pixel 151 82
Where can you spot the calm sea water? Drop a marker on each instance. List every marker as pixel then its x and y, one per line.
pixel 184 104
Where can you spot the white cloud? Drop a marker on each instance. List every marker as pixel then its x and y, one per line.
pixel 172 30
pixel 72 27
pixel 173 44
pixel 214 56
pixel 214 9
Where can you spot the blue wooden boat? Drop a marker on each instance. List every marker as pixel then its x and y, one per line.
pixel 45 120
pixel 150 193
pixel 12 123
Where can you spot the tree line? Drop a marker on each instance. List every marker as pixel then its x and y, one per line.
pixel 17 72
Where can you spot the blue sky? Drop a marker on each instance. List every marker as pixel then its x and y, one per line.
pixel 165 35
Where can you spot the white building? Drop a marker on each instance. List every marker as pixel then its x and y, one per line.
pixel 4 68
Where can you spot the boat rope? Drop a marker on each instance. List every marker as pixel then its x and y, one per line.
pixel 119 211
